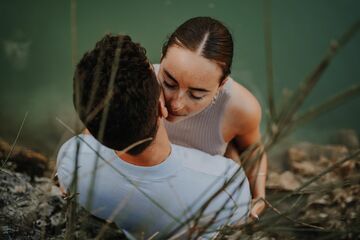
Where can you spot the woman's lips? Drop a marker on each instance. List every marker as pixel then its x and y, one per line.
pixel 175 114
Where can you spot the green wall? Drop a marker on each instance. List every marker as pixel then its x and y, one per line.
pixel 36 69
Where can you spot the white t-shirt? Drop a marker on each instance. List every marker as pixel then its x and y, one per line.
pixel 144 201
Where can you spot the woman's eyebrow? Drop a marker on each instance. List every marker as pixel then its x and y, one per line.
pixel 199 89
pixel 191 88
pixel 170 76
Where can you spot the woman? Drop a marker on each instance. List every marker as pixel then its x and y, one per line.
pixel 207 108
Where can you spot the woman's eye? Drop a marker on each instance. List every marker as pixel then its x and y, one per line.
pixel 196 97
pixel 168 85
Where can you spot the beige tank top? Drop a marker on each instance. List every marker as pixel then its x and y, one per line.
pixel 203 130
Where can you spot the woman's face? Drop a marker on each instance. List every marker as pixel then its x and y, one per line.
pixel 189 81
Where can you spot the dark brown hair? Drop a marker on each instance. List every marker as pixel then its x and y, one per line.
pixel 116 93
pixel 211 35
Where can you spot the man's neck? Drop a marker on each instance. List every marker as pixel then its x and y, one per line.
pixel 156 153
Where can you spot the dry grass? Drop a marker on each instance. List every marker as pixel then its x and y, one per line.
pixel 277 221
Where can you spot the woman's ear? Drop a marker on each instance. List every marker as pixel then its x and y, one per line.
pixel 222 83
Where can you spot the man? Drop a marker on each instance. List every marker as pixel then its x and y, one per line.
pixel 154 187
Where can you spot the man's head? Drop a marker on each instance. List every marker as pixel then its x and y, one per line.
pixel 116 93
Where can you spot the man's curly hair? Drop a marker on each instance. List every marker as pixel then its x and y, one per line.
pixel 116 93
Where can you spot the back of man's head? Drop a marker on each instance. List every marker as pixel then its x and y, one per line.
pixel 116 93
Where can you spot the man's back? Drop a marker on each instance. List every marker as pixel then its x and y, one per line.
pixel 146 200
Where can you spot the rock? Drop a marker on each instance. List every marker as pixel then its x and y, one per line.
pixel 308 159
pixel 18 208
pixel 39 212
pixel 305 168
pixel 333 200
pixel 334 209
pixel 284 181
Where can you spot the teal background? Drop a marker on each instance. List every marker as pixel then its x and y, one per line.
pixel 36 69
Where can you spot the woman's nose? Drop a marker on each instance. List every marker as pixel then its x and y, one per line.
pixel 177 102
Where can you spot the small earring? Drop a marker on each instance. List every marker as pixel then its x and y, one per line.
pixel 214 99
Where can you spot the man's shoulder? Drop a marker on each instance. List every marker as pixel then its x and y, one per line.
pixel 84 149
pixel 202 162
pixel 80 143
pixel 80 146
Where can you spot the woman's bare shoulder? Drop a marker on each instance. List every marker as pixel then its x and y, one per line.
pixel 243 112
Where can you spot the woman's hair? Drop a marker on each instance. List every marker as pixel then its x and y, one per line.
pixel 207 36
pixel 116 93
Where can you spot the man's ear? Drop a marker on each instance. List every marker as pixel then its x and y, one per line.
pixel 163 112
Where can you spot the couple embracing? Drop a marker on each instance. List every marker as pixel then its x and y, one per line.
pixel 151 159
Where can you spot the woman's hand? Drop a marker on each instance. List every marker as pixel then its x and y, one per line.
pixel 257 207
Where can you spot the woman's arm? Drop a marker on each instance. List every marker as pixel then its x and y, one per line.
pixel 242 127
pixel 255 164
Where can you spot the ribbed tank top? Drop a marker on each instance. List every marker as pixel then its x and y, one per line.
pixel 203 130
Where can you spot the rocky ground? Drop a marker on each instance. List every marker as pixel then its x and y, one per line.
pixel 31 206
pixel 329 207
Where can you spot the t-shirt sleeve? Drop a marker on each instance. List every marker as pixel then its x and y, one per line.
pixel 239 190
pixel 65 164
